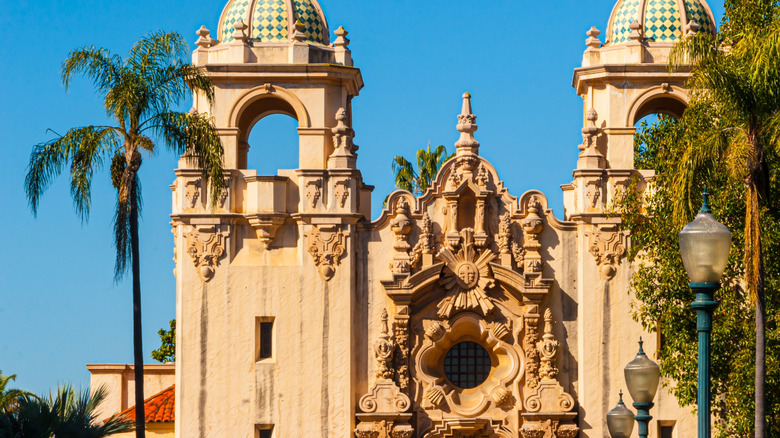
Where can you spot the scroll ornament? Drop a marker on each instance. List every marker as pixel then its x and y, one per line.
pixel 326 246
pixel 205 246
pixel 608 248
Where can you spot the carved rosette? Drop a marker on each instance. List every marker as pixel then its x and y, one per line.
pixel 205 245
pixel 608 247
pixel 466 278
pixel 326 246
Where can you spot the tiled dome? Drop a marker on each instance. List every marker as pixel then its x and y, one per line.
pixel 274 20
pixel 663 20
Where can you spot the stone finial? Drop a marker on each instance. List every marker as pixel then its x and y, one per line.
pixel 693 28
pixel 343 156
pixel 299 35
pixel 636 31
pixel 467 125
pixel 240 31
pixel 204 38
pixel 342 40
pixel 593 40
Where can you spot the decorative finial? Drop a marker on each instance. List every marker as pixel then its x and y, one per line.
pixel 620 394
pixel 239 33
pixel 593 40
pixel 467 125
pixel 641 351
pixel 693 28
pixel 342 40
pixel 299 35
pixel 636 31
pixel 705 202
pixel 344 154
pixel 204 39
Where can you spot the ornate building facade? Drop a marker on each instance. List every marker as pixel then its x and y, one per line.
pixel 465 312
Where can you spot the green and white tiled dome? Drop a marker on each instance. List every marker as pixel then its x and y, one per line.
pixel 274 20
pixel 664 21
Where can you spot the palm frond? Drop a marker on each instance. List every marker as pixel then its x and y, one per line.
pixel 405 176
pixel 157 49
pixel 98 64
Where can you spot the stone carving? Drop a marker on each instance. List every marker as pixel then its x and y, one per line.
pixel 593 193
pixel 468 427
pixel 454 180
pixel 367 431
pixel 500 331
pixel 401 226
pixel 383 350
pixel 223 195
pixel 266 226
pixel 435 331
pixel 518 254
pixel 501 396
pixel 402 349
pixel 532 225
pixel 532 431
pixel 504 237
pixel 608 247
pixel 425 244
pixel 567 431
pixel 205 246
pixel 466 278
pixel 435 396
pixel 341 192
pixel 482 177
pixel 326 246
pixel 192 193
pixel 402 431
pixel 313 189
pixel 548 348
pixel 531 352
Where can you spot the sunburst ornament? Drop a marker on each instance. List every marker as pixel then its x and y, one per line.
pixel 466 278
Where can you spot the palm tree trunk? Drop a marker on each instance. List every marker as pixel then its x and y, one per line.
pixel 760 420
pixel 138 355
pixel 754 265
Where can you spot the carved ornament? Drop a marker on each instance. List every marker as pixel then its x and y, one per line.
pixel 608 247
pixel 205 246
pixel 383 350
pixel 192 193
pixel 402 351
pixel 548 349
pixel 466 277
pixel 326 246
pixel 313 191
pixel 341 191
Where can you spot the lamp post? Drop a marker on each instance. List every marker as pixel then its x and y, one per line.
pixel 704 247
pixel 642 375
pixel 620 420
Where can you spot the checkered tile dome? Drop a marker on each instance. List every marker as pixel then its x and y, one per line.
pixel 665 21
pixel 273 21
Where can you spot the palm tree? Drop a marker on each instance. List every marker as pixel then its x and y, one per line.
pixel 139 92
pixel 428 165
pixel 741 83
pixel 68 414
pixel 9 396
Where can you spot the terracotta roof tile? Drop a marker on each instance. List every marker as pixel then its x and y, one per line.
pixel 158 408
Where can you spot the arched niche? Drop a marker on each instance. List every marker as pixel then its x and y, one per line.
pixel 658 100
pixel 272 143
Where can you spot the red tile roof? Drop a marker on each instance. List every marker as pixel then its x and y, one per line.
pixel 158 408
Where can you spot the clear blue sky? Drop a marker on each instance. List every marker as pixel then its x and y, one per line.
pixel 59 306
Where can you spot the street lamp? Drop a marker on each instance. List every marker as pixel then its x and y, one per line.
pixel 642 375
pixel 620 420
pixel 704 247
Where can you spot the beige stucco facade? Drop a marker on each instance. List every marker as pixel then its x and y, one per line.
pixel 299 316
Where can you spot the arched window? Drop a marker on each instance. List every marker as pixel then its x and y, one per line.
pixel 273 144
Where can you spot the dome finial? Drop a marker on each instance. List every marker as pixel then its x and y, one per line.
pixel 593 40
pixel 467 125
pixel 240 34
pixel 204 38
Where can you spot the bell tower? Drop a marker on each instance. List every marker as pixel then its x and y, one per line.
pixel 621 81
pixel 266 278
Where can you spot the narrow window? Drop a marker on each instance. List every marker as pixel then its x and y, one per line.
pixel 264 431
pixel 666 428
pixel 264 338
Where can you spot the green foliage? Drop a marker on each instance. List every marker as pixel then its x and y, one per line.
pixel 9 396
pixel 661 284
pixel 167 351
pixel 745 17
pixel 66 414
pixel 418 180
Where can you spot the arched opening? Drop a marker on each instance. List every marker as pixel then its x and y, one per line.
pixel 268 136
pixel 273 144
pixel 668 104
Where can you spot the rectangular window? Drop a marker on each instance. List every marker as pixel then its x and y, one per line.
pixel 666 429
pixel 264 338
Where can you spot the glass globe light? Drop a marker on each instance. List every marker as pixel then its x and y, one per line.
pixel 704 246
pixel 642 375
pixel 620 420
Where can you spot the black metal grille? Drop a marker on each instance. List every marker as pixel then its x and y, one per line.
pixel 467 365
